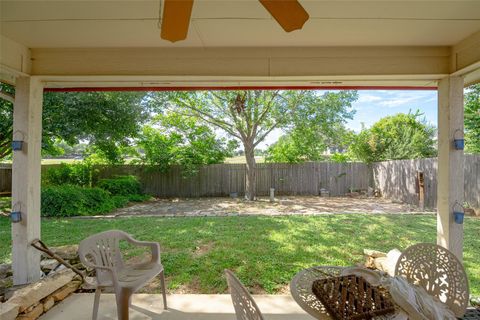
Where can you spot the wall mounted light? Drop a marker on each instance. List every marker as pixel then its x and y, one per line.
pixel 458 213
pixel 16 214
pixel 17 143
pixel 458 143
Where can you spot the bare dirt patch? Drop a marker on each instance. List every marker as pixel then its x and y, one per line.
pixel 292 205
pixel 257 289
pixel 193 286
pixel 203 249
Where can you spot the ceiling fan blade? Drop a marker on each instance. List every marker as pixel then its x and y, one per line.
pixel 289 13
pixel 176 19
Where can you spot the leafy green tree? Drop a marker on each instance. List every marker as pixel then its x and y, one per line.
pixel 6 119
pixel 472 119
pixel 308 145
pixel 249 116
pixel 106 120
pixel 402 136
pixel 174 139
pixel 317 124
pixel 66 150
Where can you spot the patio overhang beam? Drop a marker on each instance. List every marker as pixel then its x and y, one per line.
pixel 15 60
pixel 465 59
pixel 167 83
pixel 89 89
pixel 244 62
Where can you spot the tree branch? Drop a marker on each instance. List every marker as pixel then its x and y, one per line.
pixel 226 129
pixel 262 137
pixel 7 96
pixel 269 106
pixel 5 149
pixel 219 107
pixel 266 110
pixel 219 123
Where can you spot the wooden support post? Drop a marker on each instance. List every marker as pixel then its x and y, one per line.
pixel 27 125
pixel 421 190
pixel 450 175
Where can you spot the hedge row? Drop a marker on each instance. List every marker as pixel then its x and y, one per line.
pixel 64 196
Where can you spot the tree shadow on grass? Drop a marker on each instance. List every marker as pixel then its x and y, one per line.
pixel 265 252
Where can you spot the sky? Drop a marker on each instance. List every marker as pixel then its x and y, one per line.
pixel 372 105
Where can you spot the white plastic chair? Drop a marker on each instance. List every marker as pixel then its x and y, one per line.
pixel 438 271
pixel 245 306
pixel 102 252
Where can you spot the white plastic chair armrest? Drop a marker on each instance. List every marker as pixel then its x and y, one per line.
pixel 154 246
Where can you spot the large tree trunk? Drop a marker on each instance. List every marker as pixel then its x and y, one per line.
pixel 251 178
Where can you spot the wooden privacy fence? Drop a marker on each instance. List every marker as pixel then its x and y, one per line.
pixel 397 180
pixel 5 178
pixel 223 179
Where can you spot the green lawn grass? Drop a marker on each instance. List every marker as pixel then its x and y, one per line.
pixel 265 252
pixel 5 203
pixel 241 159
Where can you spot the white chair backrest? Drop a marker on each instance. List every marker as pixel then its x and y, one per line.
pixel 438 271
pixel 102 249
pixel 245 306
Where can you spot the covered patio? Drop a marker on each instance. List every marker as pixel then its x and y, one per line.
pixel 181 307
pixel 116 45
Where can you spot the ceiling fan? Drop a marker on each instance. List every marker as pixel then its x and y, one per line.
pixel 176 16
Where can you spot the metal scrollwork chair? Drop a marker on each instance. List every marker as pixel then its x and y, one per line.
pixel 102 252
pixel 438 271
pixel 245 306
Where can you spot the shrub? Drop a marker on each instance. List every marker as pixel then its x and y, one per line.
pixel 97 201
pixel 120 201
pixel 79 174
pixel 340 157
pixel 64 195
pixel 71 200
pixel 64 201
pixel 121 185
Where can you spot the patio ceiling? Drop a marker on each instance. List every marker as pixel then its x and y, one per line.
pixel 237 42
pixel 240 23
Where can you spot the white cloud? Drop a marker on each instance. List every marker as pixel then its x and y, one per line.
pixel 368 98
pixel 394 99
pixel 397 102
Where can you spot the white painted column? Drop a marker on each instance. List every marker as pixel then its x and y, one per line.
pixel 26 167
pixel 450 174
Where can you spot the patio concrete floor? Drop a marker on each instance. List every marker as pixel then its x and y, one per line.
pixel 180 307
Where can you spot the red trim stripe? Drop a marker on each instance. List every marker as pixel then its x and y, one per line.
pixel 184 88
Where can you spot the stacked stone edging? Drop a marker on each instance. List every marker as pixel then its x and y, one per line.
pixel 33 300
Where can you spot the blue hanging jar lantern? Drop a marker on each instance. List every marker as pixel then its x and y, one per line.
pixel 458 213
pixel 16 214
pixel 17 143
pixel 458 143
